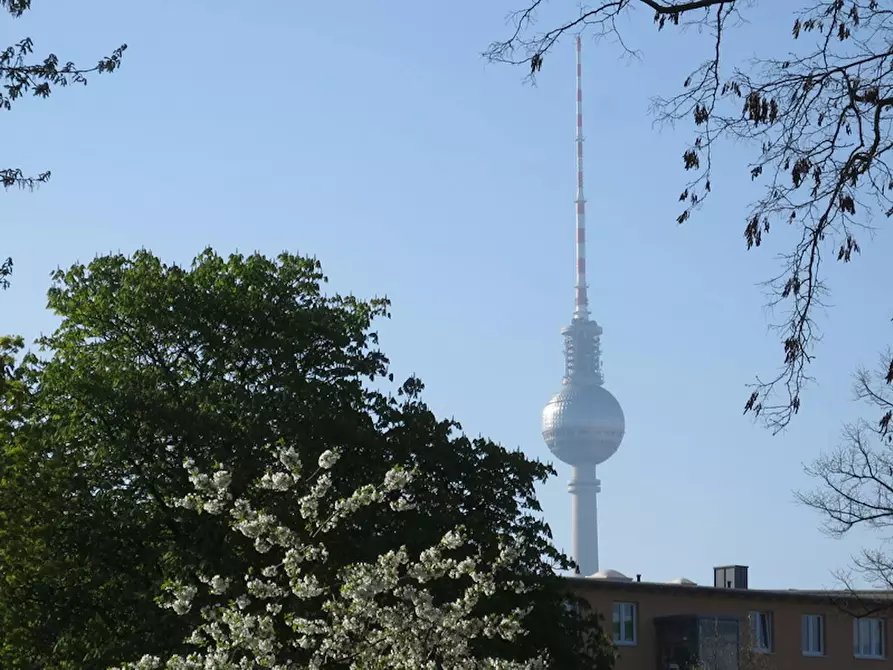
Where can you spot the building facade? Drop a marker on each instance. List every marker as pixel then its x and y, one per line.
pixel 727 626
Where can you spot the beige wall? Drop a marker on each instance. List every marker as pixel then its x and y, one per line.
pixel 787 616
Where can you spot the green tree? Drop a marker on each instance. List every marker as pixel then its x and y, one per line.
pixel 153 364
pixel 22 76
pixel 817 112
pixel 67 550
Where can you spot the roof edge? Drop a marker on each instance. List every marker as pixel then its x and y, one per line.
pixel 825 596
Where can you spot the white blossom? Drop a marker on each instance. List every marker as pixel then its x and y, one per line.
pixel 213 506
pixel 221 480
pixel 276 481
pixel 290 459
pixel 219 585
pixel 376 614
pixel 182 598
pixel 453 539
pixel 328 458
pixel 397 478
pixel 402 504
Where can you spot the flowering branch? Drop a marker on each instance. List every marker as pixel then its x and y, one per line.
pixel 387 613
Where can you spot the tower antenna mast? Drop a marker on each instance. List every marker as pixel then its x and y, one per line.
pixel 581 298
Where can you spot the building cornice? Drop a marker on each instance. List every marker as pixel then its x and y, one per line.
pixel 862 599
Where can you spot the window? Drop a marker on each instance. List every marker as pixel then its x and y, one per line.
pixel 625 623
pixel 761 630
pixel 718 643
pixel 868 638
pixel 812 638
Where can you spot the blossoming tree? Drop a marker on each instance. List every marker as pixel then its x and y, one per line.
pixel 382 614
pixel 154 365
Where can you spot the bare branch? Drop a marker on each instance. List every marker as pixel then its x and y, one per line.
pixel 818 115
pixel 855 486
pixel 855 602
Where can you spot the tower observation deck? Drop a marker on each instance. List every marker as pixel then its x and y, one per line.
pixel 583 424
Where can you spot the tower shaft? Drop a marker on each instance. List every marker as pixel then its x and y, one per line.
pixel 583 424
pixel 583 366
pixel 584 489
pixel 581 299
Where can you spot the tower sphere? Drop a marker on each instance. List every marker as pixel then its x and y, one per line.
pixel 583 424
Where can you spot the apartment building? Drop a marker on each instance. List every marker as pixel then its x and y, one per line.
pixel 727 626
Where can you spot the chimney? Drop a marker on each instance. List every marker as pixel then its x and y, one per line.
pixel 730 577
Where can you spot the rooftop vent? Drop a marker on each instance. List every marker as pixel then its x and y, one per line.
pixel 682 581
pixel 730 577
pixel 610 575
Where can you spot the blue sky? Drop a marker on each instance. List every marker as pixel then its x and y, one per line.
pixel 373 136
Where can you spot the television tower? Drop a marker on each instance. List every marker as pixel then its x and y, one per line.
pixel 583 423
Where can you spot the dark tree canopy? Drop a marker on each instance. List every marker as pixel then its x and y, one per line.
pixel 817 112
pixel 154 363
pixel 22 75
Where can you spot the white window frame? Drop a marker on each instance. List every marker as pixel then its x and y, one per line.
pixel 873 628
pixel 623 613
pixel 757 618
pixel 812 635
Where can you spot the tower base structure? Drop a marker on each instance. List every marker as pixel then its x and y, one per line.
pixel 584 489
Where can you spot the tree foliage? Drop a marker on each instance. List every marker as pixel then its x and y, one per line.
pixel 154 364
pixel 21 75
pixel 817 112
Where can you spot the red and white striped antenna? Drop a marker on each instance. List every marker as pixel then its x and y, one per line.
pixel 581 301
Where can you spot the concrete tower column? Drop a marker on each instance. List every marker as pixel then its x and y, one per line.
pixel 584 489
pixel 583 424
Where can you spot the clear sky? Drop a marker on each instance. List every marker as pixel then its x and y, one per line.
pixel 373 136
